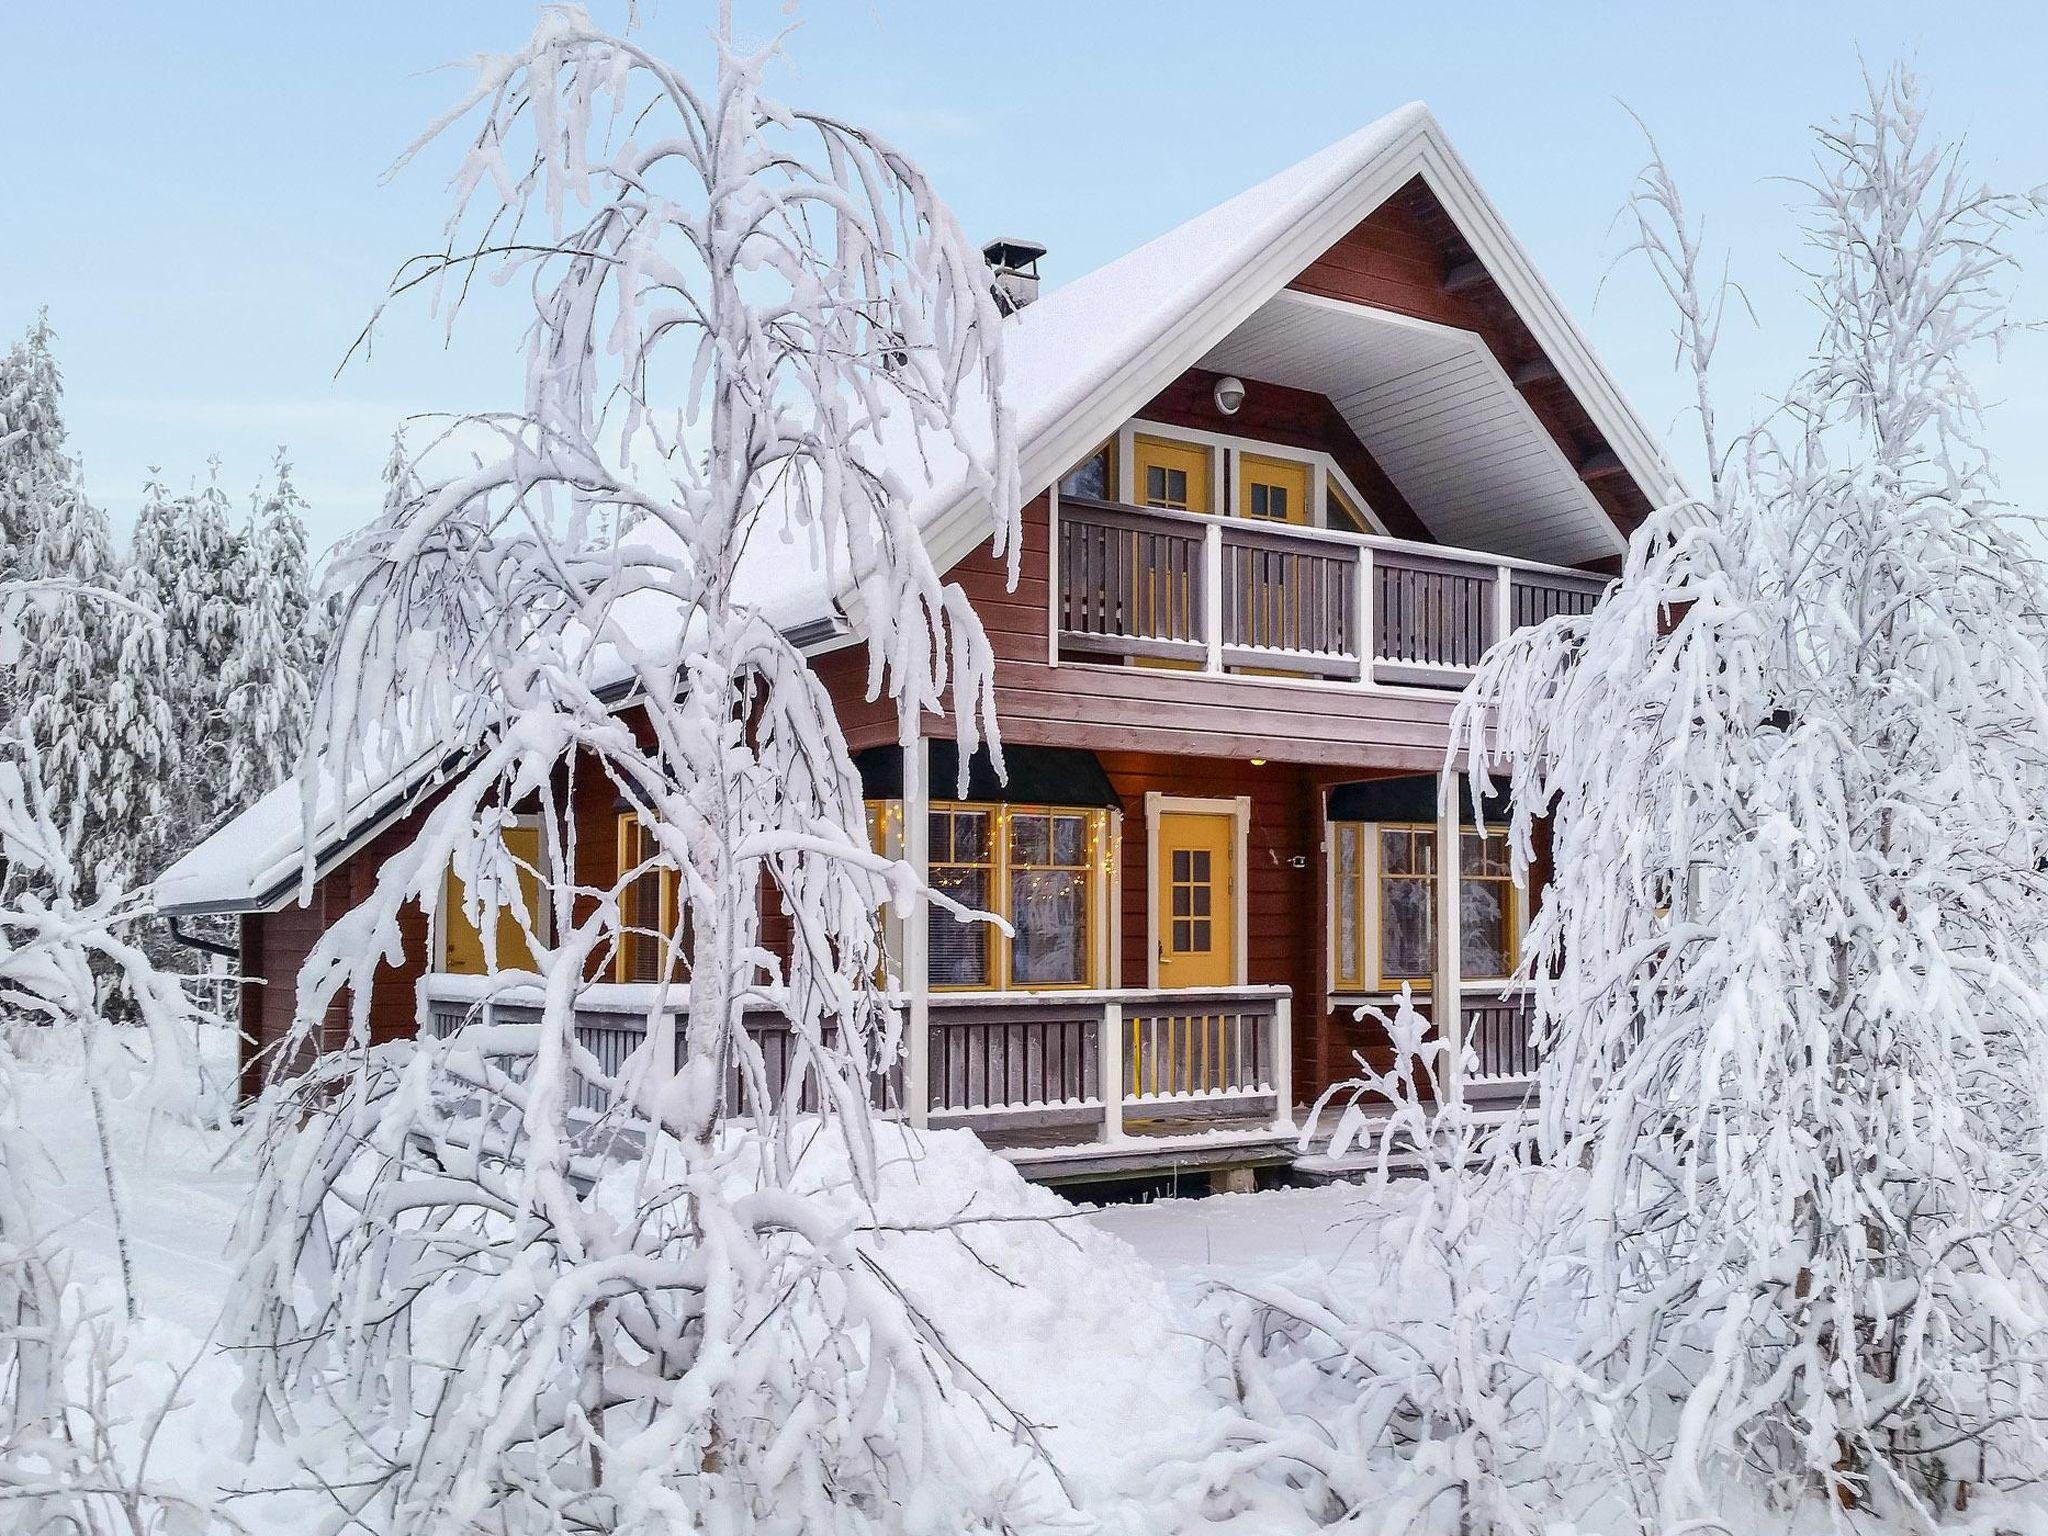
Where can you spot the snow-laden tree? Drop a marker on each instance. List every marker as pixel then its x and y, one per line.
pixel 32 457
pixel 62 658
pixel 32 452
pixel 265 691
pixel 62 951
pixel 752 330
pixel 1789 970
pixel 190 564
pixel 1417 1392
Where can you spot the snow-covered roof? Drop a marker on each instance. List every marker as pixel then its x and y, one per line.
pixel 1079 361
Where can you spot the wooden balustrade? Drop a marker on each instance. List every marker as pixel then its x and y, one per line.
pixel 1288 605
pixel 1231 595
pixel 998 1062
pixel 1133 584
pixel 1499 1035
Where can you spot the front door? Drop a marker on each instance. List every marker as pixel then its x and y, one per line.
pixel 1195 877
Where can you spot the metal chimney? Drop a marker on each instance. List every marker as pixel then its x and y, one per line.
pixel 1013 265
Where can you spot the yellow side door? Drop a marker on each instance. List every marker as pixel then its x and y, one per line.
pixel 1177 476
pixel 1171 474
pixel 1273 490
pixel 465 944
pixel 1194 872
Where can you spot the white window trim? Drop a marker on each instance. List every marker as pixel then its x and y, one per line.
pixel 1369 937
pixel 1324 470
pixel 1239 808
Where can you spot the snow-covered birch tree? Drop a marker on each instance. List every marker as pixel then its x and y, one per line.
pixel 754 332
pixel 1789 969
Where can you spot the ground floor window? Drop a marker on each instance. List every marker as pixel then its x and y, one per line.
pixel 652 942
pixel 1043 868
pixel 1383 905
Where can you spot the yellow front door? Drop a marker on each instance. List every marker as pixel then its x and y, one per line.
pixel 1195 876
pixel 1272 490
pixel 465 947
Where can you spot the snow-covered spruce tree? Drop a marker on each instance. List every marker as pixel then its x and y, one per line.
pixel 751 327
pixel 1789 970
pixel 190 564
pixel 265 691
pixel 32 453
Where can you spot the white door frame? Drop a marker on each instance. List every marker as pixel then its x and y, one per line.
pixel 1239 809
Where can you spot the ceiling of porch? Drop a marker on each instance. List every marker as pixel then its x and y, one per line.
pixel 1444 420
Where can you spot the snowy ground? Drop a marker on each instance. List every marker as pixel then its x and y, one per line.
pixel 1089 1336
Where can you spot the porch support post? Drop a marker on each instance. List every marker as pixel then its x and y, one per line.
pixel 1361 610
pixel 1503 603
pixel 1283 1064
pixel 1109 1053
pixel 1447 984
pixel 917 804
pixel 1212 595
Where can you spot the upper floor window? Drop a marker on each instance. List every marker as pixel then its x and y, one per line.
pixel 1094 477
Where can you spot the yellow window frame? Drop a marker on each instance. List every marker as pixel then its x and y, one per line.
pixel 1368 836
pixel 634 848
pixel 1097 869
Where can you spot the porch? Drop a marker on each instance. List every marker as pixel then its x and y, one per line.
pixel 1068 1086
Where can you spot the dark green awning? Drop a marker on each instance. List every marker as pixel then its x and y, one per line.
pixel 1037 776
pixel 1409 797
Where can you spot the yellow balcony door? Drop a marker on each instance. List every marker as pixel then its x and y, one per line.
pixel 465 944
pixel 1170 474
pixel 1273 490
pixel 1195 884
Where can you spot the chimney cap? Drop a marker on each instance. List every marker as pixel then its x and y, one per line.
pixel 1013 254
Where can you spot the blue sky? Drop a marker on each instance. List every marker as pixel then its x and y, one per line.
pixel 196 190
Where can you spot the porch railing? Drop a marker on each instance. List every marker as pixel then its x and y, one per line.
pixel 1122 1061
pixel 1114 1063
pixel 1224 594
pixel 1498 1029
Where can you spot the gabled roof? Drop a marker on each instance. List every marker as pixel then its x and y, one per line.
pixel 1077 363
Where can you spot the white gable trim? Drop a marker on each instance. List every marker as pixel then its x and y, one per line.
pixel 1152 362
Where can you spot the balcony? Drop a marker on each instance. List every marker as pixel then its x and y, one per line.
pixel 1226 595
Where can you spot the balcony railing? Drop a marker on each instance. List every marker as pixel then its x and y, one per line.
pixel 1106 1063
pixel 1227 594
